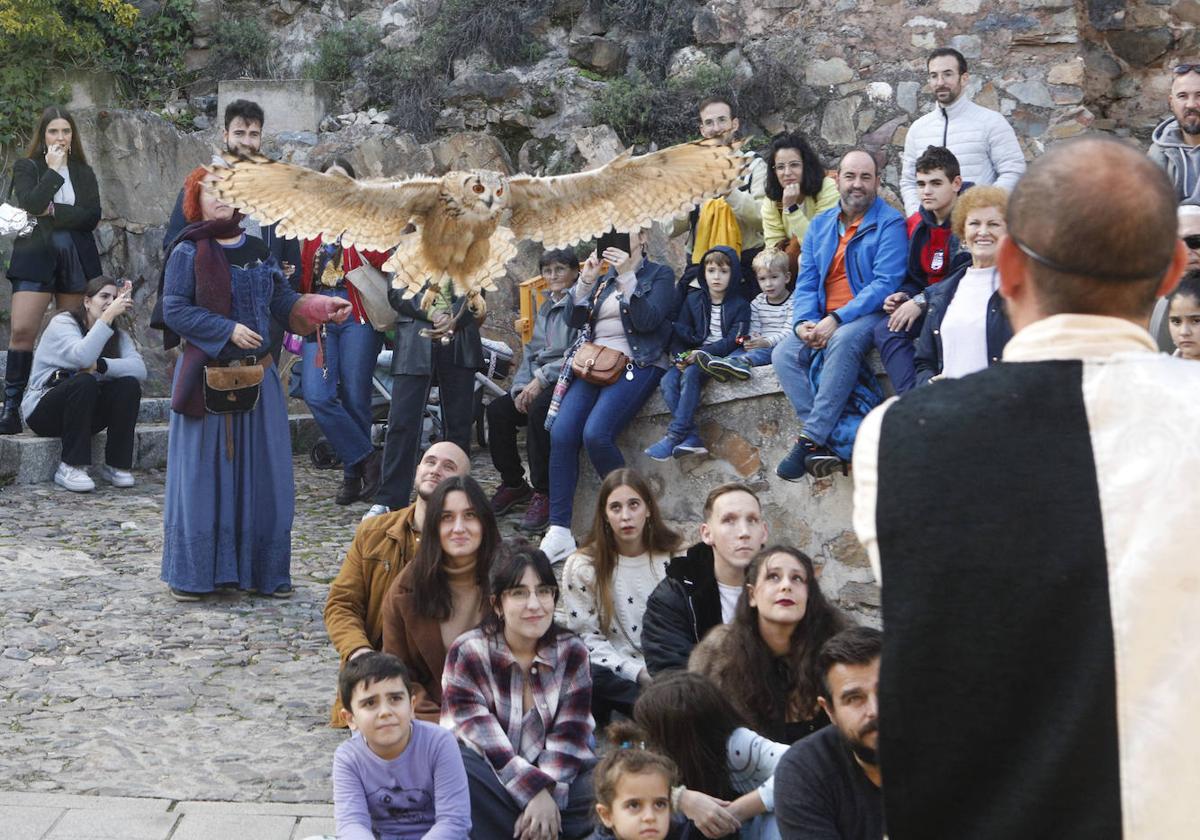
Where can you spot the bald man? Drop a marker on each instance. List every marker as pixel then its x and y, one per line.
pixel 1035 530
pixel 854 256
pixel 382 547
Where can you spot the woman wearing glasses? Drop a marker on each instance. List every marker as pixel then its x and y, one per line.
pixel 442 592
pixel 797 190
pixel 518 692
pixel 607 582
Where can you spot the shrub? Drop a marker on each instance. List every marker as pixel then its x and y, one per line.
pixel 242 48
pixel 643 112
pixel 342 53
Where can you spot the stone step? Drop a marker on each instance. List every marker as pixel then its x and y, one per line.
pixel 28 459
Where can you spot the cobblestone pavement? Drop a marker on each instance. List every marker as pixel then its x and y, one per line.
pixel 107 686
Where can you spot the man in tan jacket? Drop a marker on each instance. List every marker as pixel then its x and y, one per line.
pixel 382 546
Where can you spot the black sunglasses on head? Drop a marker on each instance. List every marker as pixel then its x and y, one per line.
pixel 1180 69
pixel 1193 241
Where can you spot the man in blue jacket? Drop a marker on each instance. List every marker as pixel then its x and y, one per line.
pixel 853 256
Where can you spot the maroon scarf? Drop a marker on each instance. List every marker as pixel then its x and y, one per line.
pixel 214 292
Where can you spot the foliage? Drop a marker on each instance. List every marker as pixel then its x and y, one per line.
pixel 642 111
pixel 147 58
pixel 342 53
pixel 242 48
pixel 664 26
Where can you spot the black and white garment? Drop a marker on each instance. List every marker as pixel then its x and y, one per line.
pixel 1036 530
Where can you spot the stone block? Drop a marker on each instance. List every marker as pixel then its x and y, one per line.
pixel 833 71
pixel 837 125
pixel 1068 73
pixel 315 827
pixel 595 52
pixel 234 826
pixel 113 824
pixel 1187 11
pixel 26 823
pixel 289 104
pixel 1140 47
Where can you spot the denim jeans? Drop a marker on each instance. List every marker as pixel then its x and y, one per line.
pixel 898 352
pixel 844 353
pixel 681 392
pixel 341 401
pixel 592 416
pixel 757 357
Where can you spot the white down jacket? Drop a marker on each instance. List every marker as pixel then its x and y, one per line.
pixel 984 143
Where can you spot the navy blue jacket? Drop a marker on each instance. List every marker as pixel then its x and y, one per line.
pixel 929 344
pixel 645 314
pixel 692 322
pixel 916 280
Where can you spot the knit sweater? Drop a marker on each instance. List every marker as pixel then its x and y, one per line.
pixel 465 596
pixel 619 649
pixel 63 346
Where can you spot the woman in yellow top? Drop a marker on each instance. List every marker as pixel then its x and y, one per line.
pixel 797 190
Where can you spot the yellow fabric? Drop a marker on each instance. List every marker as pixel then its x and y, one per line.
pixel 717 225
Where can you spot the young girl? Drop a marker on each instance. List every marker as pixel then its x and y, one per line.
pixel 726 770
pixel 765 659
pixel 633 789
pixel 606 584
pixel 1183 317
pixel 517 692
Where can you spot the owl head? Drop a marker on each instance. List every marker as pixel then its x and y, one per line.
pixel 475 195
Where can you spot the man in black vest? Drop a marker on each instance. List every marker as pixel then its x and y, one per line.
pixel 1035 530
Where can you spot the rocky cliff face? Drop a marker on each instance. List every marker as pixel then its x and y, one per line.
pixel 843 71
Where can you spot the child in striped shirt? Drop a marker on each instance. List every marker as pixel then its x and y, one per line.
pixel 770 321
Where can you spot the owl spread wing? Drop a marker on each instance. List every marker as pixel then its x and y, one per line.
pixel 627 193
pixel 368 214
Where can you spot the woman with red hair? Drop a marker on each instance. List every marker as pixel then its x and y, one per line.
pixel 227 515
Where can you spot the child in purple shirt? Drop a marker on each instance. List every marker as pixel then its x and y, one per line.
pixel 396 778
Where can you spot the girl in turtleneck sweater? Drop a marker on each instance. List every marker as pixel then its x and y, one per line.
pixel 440 594
pixel 606 584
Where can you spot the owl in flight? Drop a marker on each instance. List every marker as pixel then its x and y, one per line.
pixel 467 223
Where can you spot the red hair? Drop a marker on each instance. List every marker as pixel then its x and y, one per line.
pixel 191 194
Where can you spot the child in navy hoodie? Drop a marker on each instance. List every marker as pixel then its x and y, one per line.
pixel 713 318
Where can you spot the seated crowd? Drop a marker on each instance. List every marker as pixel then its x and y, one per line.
pixel 628 686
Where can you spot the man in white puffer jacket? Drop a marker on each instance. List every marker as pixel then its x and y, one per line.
pixel 984 143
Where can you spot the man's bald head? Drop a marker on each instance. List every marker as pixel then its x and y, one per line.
pixel 440 461
pixel 1101 217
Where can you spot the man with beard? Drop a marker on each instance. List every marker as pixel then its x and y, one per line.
pixel 828 785
pixel 1175 144
pixel 984 143
pixel 382 547
pixel 854 256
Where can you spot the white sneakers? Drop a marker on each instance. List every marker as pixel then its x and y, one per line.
pixel 77 480
pixel 116 477
pixel 376 510
pixel 558 544
pixel 74 479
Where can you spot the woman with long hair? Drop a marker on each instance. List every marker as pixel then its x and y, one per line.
pixel 87 376
pixel 338 391
pixel 797 190
pixel 726 769
pixel 54 183
pixel 442 592
pixel 606 585
pixel 517 691
pixel 229 502
pixel 765 659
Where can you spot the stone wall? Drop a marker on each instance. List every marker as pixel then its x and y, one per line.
pixel 748 428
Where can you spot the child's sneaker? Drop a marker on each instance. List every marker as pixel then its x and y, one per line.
pixel 734 367
pixel 663 450
pixel 705 361
pixel 690 445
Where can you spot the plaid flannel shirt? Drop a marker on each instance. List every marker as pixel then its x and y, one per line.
pixel 482 688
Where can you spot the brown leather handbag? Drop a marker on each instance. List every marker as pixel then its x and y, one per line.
pixel 597 364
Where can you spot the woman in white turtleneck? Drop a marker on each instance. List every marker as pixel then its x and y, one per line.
pixel 605 586
pixel 966 328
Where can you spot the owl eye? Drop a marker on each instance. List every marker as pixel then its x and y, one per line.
pixel 478 188
pixel 499 190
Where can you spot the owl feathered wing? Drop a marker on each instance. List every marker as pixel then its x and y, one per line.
pixel 370 214
pixel 626 193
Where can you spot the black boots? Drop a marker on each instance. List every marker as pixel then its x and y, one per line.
pixel 16 376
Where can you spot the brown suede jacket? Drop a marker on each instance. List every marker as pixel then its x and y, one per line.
pixel 383 545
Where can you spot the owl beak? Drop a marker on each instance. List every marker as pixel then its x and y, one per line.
pixel 488 201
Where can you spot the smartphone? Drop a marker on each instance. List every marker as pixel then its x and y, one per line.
pixel 612 239
pixel 127 288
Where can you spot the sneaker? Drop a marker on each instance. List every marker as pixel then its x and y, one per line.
pixel 558 543
pixel 705 361
pixel 824 463
pixel 792 468
pixel 662 450
pixel 728 368
pixel 690 445
pixel 116 477
pixel 74 479
pixel 184 596
pixel 506 498
pixel 376 510
pixel 537 515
